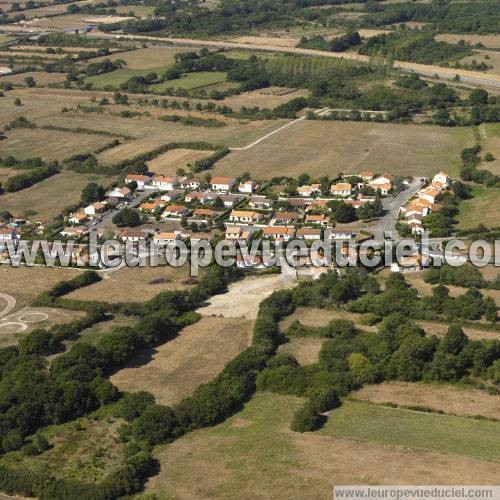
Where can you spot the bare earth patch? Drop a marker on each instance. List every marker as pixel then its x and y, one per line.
pixel 440 329
pixel 454 400
pixel 244 297
pixel 174 370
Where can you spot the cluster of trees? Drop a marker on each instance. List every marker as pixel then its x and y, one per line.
pixel 193 121
pixel 448 17
pixel 35 175
pixel 128 217
pixel 413 46
pixel 106 66
pixel 338 44
pixel 470 172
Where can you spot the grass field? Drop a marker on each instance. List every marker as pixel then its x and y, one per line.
pixel 49 144
pixel 304 350
pixel 191 81
pixel 147 282
pixel 174 370
pixel 446 398
pixel 255 455
pixel 41 78
pixel 116 78
pixel 257 98
pixel 169 162
pixel 418 431
pixel 490 41
pixel 321 148
pixel 490 139
pixel 484 207
pixel 86 449
pixel 5 38
pixel 49 197
pixel 25 283
pixel 491 59
pixel 5 173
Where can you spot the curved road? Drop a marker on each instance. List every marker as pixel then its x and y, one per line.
pixel 11 303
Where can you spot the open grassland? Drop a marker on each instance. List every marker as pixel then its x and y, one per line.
pixel 93 334
pixel 483 207
pixel 321 148
pixel 490 41
pixel 115 78
pixel 156 132
pixel 446 398
pixel 255 455
pixel 440 329
pixel 49 144
pixel 50 196
pixel 6 172
pixel 191 81
pixel 42 78
pixel 415 430
pixel 305 350
pixel 491 59
pixel 146 58
pixel 258 98
pixel 490 140
pixel 24 283
pixel 136 284
pixel 174 370
pixel 5 38
pixel 169 162
pixel 87 449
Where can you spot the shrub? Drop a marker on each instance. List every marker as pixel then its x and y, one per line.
pixel 306 419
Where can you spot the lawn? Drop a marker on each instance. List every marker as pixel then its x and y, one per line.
pixel 490 138
pixel 191 81
pixel 320 147
pixel 115 78
pixel 255 455
pixel 483 207
pixel 419 431
pixel 49 197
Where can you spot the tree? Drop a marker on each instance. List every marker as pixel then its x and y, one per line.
pixel 478 96
pixel 30 81
pixel 306 419
pixel 132 405
pixel 362 368
pixel 344 213
pixel 127 217
pixel 92 192
pixel 454 340
pixel 41 443
pixel 156 425
pixel 18 102
pixel 490 309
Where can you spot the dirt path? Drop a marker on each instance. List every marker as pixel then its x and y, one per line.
pixel 10 304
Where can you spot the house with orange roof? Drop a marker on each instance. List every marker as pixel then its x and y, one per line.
pixel 320 220
pixel 164 183
pixel 78 218
pixel 278 233
pixel 245 216
pixel 309 233
pixel 142 181
pixel 175 211
pixel 341 189
pixel 222 184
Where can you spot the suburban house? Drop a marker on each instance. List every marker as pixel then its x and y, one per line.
pixel 95 209
pixel 132 235
pixel 309 190
pixel 251 261
pixel 247 187
pixel 317 205
pixel 7 234
pixel 235 233
pixel 142 181
pixel 320 220
pixel 171 195
pixel 245 216
pixel 196 238
pixel 309 233
pixel 430 194
pixel 407 264
pixel 205 213
pixel 73 232
pixel 367 175
pixel 222 184
pixel 278 233
pixel 175 211
pixel 298 203
pixel 260 202
pixel 120 193
pixel 441 178
pixel 198 196
pixel 164 183
pixel 151 206
pixel 355 203
pixel 78 218
pixel 166 238
pixel 341 189
pixel 229 200
pixel 186 183
pixel 286 217
pixel 383 183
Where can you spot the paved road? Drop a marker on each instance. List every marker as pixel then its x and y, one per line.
pixel 387 223
pixel 10 304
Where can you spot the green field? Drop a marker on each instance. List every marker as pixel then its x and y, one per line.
pixel 5 38
pixel 116 78
pixel 419 431
pixel 483 207
pixel 192 81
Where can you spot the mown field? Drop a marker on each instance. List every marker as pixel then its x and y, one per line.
pixel 49 197
pixel 169 162
pixel 255 455
pixel 483 207
pixel 490 140
pixel 321 148
pixel 175 369
pixel 191 81
pixel 41 78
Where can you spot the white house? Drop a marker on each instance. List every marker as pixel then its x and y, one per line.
pixel 166 238
pixel 245 216
pixel 222 184
pixel 121 193
pixel 7 234
pixel 319 220
pixel 279 233
pixel 132 235
pixel 164 183
pixel 309 190
pixel 95 209
pixel 78 218
pixel 341 234
pixel 442 178
pixel 247 187
pixel 341 189
pixel 309 233
pixel 235 233
pixel 186 183
pixel 430 194
pixel 175 211
pixel 260 202
pixel 142 181
pixel 229 200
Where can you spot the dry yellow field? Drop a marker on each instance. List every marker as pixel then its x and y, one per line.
pixel 490 41
pixel 304 350
pixel 258 98
pixel 169 162
pixel 41 77
pixel 320 147
pixel 174 370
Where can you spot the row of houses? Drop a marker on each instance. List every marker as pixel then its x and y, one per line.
pixel 426 201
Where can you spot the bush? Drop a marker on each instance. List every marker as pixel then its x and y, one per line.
pixel 133 405
pixel 29 450
pixel 306 419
